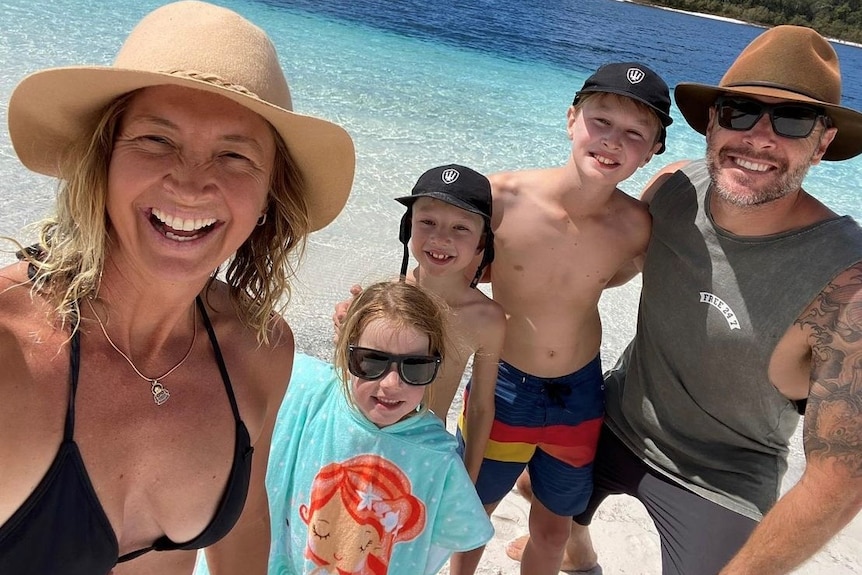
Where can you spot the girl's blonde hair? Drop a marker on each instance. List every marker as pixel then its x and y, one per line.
pixel 403 306
pixel 67 262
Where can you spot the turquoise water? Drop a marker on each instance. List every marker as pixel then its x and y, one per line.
pixel 418 84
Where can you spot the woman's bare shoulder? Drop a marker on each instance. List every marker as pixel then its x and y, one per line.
pixel 14 276
pixel 30 341
pixel 235 333
pixel 21 309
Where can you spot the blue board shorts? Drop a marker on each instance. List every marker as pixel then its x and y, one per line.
pixel 551 426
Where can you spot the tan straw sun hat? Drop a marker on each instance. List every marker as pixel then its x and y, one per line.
pixel 196 45
pixel 788 62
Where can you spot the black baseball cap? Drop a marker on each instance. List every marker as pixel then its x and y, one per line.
pixel 459 186
pixel 636 81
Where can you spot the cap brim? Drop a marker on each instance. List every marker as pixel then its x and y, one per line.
pixel 695 100
pixel 664 118
pixel 443 197
pixel 51 109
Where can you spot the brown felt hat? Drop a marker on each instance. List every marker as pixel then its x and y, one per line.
pixel 195 45
pixel 793 63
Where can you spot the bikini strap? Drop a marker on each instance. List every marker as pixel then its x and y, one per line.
pixel 74 364
pixel 219 360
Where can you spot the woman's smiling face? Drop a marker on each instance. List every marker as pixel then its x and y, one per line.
pixel 188 178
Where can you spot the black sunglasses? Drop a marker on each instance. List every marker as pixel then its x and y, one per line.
pixel 788 120
pixel 371 364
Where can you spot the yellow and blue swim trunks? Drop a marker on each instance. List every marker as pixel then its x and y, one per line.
pixel 549 425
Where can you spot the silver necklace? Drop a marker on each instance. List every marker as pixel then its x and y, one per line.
pixel 160 392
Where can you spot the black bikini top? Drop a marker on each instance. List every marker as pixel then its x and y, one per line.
pixel 61 529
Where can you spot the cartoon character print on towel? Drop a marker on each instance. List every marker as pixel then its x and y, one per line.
pixel 358 510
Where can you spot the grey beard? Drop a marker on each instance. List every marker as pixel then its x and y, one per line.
pixel 787 183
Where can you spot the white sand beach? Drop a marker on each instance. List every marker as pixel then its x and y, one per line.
pixel 725 19
pixel 699 14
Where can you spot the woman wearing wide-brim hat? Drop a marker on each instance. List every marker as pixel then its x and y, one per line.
pixel 143 355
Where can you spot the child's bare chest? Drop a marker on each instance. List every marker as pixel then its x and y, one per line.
pixel 560 249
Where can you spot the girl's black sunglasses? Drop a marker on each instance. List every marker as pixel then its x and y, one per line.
pixel 371 364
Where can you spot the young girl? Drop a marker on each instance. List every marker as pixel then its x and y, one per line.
pixel 363 479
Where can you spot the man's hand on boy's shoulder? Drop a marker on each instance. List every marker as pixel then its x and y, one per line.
pixel 341 311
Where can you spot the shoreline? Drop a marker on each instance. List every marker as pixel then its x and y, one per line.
pixel 690 13
pixel 727 19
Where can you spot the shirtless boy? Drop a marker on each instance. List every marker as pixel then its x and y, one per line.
pixel 448 225
pixel 563 235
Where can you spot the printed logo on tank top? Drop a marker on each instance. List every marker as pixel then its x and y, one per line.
pixel 721 306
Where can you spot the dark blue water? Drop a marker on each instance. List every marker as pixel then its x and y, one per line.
pixel 418 83
pixel 575 34
pixel 484 83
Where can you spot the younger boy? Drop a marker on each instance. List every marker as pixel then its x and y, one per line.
pixel 563 235
pixel 447 225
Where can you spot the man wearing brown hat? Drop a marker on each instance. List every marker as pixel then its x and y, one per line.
pixel 751 307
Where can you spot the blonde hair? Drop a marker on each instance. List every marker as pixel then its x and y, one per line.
pixel 403 306
pixel 67 262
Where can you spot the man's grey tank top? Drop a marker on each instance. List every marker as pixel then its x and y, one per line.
pixel 691 395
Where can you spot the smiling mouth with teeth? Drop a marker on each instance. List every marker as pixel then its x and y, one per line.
pixel 604 160
pixel 389 402
pixel 752 166
pixel 438 257
pixel 180 229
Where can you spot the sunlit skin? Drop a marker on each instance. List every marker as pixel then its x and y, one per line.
pixel 611 137
pixel 389 400
pixel 334 538
pixel 446 241
pixel 757 179
pixel 445 238
pixel 447 244
pixel 186 159
pixel 575 214
pixel 202 164
pixel 757 166
pixel 563 235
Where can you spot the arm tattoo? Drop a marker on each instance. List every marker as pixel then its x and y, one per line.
pixel 833 418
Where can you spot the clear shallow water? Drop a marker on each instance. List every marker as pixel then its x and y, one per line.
pixel 419 83
pixel 485 83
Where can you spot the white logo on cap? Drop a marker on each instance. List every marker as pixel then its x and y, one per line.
pixel 635 75
pixel 449 175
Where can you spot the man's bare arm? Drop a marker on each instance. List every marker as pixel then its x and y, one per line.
pixel 635 266
pixel 659 179
pixel 627 272
pixel 829 494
